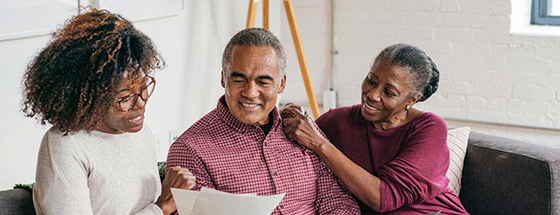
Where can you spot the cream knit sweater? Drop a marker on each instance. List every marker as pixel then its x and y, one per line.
pixel 97 173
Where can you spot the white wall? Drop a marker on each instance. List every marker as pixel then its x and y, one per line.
pixel 491 80
pixel 21 136
pixel 313 19
pixel 191 44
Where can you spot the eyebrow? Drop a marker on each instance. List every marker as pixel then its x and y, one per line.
pixel 388 84
pixel 126 89
pixel 394 88
pixel 237 74
pixel 268 77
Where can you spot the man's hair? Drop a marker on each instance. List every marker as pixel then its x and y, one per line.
pixel 72 82
pixel 256 37
pixel 423 72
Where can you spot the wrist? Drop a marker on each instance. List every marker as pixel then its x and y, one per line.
pixel 321 147
pixel 167 206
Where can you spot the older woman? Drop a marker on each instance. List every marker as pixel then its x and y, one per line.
pixel 392 157
pixel 92 83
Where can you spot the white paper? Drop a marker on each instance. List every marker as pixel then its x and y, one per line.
pixel 213 202
pixel 186 197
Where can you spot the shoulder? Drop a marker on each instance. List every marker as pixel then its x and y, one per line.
pixel 55 140
pixel 430 121
pixel 199 132
pixel 186 150
pixel 428 129
pixel 68 150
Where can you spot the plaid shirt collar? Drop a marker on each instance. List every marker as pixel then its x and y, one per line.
pixel 230 120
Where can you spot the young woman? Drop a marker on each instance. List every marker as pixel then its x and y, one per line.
pixel 92 83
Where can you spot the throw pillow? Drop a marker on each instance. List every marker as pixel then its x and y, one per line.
pixel 457 140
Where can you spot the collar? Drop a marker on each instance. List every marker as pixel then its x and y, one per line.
pixel 228 118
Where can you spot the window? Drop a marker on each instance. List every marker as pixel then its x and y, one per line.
pixel 545 12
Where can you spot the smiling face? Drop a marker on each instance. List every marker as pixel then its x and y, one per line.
pixel 117 121
pixel 252 83
pixel 386 92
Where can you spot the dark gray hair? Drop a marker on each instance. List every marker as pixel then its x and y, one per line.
pixel 256 37
pixel 423 71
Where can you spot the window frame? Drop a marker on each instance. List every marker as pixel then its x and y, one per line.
pixel 539 14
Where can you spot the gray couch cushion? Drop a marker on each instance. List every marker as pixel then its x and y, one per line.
pixel 505 176
pixel 16 202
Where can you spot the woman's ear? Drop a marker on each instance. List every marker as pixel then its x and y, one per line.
pixel 413 100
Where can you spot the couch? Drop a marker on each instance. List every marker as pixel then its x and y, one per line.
pixel 506 176
pixel 500 176
pixel 16 202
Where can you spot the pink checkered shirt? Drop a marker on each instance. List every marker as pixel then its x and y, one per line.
pixel 228 155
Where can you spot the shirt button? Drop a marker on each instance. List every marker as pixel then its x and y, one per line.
pixel 242 132
pixel 275 174
pixel 281 206
pixel 265 144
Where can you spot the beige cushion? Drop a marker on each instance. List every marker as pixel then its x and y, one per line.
pixel 457 140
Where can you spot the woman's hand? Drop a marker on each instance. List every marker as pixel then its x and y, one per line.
pixel 285 111
pixel 299 127
pixel 176 177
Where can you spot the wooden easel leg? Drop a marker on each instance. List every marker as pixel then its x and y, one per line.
pixel 265 14
pixel 251 13
pixel 301 58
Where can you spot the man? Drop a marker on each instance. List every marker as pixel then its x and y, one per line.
pixel 240 146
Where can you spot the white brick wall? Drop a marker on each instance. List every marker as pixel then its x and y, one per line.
pixel 486 72
pixel 489 78
pixel 313 22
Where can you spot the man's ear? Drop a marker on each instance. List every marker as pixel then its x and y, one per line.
pixel 222 79
pixel 282 85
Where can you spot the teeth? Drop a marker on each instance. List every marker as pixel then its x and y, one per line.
pixel 370 107
pixel 138 118
pixel 249 105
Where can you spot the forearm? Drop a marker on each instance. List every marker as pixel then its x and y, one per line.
pixel 365 186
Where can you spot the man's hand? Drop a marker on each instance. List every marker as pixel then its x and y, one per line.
pixel 176 177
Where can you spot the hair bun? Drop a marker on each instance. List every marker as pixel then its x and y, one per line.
pixel 433 83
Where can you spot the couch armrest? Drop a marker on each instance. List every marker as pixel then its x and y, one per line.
pixel 16 202
pixel 506 176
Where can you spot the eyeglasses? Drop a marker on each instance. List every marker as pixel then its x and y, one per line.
pixel 127 103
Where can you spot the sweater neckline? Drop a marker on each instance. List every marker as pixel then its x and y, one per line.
pixel 103 134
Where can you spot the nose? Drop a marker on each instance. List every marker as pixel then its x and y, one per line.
pixel 251 90
pixel 374 94
pixel 140 103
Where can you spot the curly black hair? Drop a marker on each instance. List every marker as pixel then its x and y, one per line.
pixel 72 82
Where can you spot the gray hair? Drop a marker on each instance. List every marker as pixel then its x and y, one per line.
pixel 256 37
pixel 423 71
